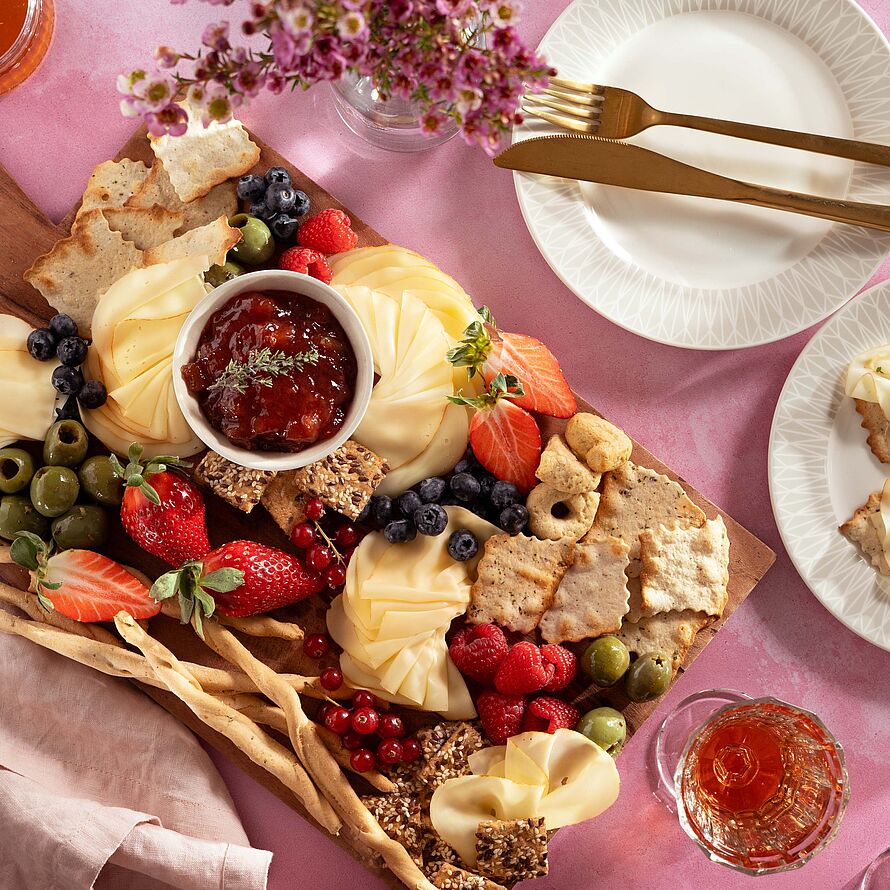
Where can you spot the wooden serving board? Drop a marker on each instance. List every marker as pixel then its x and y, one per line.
pixel 21 223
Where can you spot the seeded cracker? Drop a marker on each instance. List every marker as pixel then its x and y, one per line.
pixel 399 817
pixel 239 486
pixel 436 853
pixel 450 761
pixel 512 851
pixel 860 530
pixel 450 877
pixel 671 633
pixel 285 502
pixel 878 426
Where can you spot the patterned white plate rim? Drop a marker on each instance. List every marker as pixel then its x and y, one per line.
pixel 821 469
pixel 565 226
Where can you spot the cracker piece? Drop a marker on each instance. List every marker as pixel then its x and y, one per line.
pixel 81 267
pixel 875 421
pixel 432 738
pixel 436 853
pixel 450 761
pixel 513 850
pixel 517 580
pixel 205 156
pixel 213 240
pixel 285 501
pixel 399 817
pixel 239 486
pixel 685 568
pixel 860 530
pixel 635 498
pixel 146 228
pixel 592 597
pixel 450 877
pixel 669 632
pixel 111 184
pixel 560 469
pixel 575 516
pixel 345 479
pixel 602 445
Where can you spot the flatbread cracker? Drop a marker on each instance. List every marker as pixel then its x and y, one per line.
pixel 878 426
pixel 81 267
pixel 111 184
pixel 517 581
pixel 592 597
pixel 285 501
pixel 146 228
pixel 213 240
pixel 512 850
pixel 560 468
pixel 860 530
pixel 671 633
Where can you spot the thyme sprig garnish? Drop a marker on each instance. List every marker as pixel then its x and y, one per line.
pixel 261 367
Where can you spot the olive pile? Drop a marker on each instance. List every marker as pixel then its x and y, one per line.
pixel 49 499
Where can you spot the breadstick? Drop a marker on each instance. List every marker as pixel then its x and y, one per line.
pixel 263 626
pixel 258 745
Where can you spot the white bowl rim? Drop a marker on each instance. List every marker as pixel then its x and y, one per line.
pixel 273 280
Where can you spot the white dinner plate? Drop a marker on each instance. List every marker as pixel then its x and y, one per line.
pixel 821 469
pixel 708 274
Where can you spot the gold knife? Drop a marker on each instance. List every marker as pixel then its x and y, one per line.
pixel 611 162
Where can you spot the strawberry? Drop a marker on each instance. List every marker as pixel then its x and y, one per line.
pixel 239 578
pixel 328 232
pixel 307 261
pixel 166 516
pixel 491 352
pixel 501 715
pixel 564 661
pixel 80 584
pixel 545 714
pixel 523 670
pixel 505 438
pixel 477 651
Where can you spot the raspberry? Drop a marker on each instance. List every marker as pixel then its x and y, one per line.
pixel 501 715
pixel 545 714
pixel 565 662
pixel 329 232
pixel 523 670
pixel 477 651
pixel 309 262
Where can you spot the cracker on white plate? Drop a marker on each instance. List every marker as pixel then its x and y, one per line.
pixel 145 227
pixel 213 240
pixel 670 633
pixel 592 597
pixel 878 426
pixel 685 568
pixel 860 530
pixel 112 183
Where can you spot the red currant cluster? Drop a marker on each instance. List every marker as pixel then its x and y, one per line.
pixel 374 738
pixel 317 646
pixel 328 542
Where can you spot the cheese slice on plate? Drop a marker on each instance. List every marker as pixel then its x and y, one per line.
pixel 27 396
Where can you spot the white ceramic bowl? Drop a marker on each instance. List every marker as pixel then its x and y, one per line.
pixel 273 280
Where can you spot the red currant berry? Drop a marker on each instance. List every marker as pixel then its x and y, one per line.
pixel 318 557
pixel 352 741
pixel 391 727
pixel 363 760
pixel 390 751
pixel 316 645
pixel 365 720
pixel 364 699
pixel 335 576
pixel 338 720
pixel 315 509
pixel 346 536
pixel 304 535
pixel 346 555
pixel 411 750
pixel 331 678
pixel 324 710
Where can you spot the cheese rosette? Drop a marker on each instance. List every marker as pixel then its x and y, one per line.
pixel 135 326
pixel 563 777
pixel 395 610
pixel 868 377
pixel 27 396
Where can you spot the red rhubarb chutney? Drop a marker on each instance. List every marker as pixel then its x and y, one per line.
pixel 274 371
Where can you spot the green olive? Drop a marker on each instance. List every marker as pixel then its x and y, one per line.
pixel 83 527
pixel 17 514
pixel 605 661
pixel 16 469
pixel 54 490
pixel 648 677
pixel 65 444
pixel 605 727
pixel 217 275
pixel 99 479
pixel 256 245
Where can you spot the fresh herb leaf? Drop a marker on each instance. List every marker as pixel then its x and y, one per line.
pixel 261 367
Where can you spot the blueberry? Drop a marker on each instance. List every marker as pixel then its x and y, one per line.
pixel 251 187
pixel 281 197
pixel 365 515
pixel 277 174
pixel 301 203
pixel 513 519
pixel 409 503
pixel 400 531
pixel 486 484
pixel 261 211
pixel 431 519
pixel 92 394
pixel 432 489
pixel 465 487
pixel 283 226
pixel 42 344
pixel 67 381
pixel 69 410
pixel 503 494
pixel 462 545
pixel 466 465
pixel 72 351
pixel 63 326
pixel 381 510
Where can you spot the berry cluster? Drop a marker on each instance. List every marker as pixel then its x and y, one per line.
pixel 275 201
pixel 328 540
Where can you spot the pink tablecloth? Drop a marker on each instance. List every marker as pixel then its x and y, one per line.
pixel 707 415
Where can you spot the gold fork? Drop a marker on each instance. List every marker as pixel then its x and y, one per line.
pixel 614 113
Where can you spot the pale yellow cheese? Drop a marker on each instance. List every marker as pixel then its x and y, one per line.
pixel 14 332
pixel 868 377
pixel 27 397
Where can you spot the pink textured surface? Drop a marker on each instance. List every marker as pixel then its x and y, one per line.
pixel 707 415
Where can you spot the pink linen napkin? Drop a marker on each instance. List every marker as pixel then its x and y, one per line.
pixel 100 787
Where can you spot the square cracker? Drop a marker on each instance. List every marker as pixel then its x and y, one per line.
pixel 560 468
pixel 111 184
pixel 239 486
pixel 147 228
pixel 285 501
pixel 592 597
pixel 512 850
pixel 685 568
pixel 213 240
pixel 451 759
pixel 669 632
pixel 399 815
pixel 517 580
pixel 860 529
pixel 875 421
pixel 450 877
